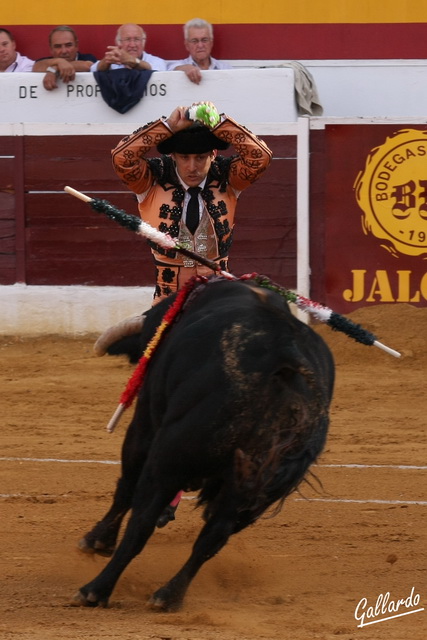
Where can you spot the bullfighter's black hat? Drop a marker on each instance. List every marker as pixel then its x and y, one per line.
pixel 194 139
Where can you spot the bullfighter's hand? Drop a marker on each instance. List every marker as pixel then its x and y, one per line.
pixel 178 119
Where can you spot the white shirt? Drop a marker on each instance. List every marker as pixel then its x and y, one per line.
pixel 21 64
pixel 215 64
pixel 157 64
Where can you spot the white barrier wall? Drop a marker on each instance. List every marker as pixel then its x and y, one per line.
pixel 365 88
pixel 254 91
pixel 77 310
pixel 248 95
pixel 372 88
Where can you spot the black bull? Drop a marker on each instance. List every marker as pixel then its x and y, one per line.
pixel 235 405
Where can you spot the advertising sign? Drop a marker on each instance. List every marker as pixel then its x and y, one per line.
pixel 376 215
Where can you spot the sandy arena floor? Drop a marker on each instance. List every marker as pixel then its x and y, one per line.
pixel 298 576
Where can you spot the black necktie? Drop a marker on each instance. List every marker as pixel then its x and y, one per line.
pixel 193 209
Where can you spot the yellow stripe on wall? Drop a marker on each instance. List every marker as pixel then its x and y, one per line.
pixel 28 12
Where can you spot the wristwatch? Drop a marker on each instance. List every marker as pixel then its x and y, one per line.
pixel 52 70
pixel 137 63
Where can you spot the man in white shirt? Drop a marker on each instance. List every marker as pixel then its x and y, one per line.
pixel 129 52
pixel 10 59
pixel 198 40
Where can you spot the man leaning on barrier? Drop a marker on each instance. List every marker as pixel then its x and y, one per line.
pixel 129 52
pixel 198 40
pixel 65 59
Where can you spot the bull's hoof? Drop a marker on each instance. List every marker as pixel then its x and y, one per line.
pixel 86 545
pixel 88 599
pixel 162 600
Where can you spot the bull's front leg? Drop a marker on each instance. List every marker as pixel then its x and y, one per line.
pixel 146 509
pixel 102 538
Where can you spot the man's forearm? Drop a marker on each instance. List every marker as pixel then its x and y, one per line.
pixel 130 62
pixel 254 156
pixel 128 162
pixel 82 65
pixel 41 66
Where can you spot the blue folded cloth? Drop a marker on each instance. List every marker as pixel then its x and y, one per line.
pixel 122 89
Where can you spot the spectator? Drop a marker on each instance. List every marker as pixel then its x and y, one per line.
pixel 128 52
pixel 65 58
pixel 198 40
pixel 10 59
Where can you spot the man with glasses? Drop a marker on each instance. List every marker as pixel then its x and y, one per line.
pixel 65 58
pixel 129 52
pixel 198 40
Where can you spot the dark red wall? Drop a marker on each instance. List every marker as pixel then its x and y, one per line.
pixel 47 237
pixel 253 41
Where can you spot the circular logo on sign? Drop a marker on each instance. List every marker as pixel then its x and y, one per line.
pixel 392 193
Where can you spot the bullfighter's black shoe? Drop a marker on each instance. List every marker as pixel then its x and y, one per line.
pixel 167 516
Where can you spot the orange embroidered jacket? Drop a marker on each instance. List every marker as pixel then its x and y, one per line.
pixel 161 196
